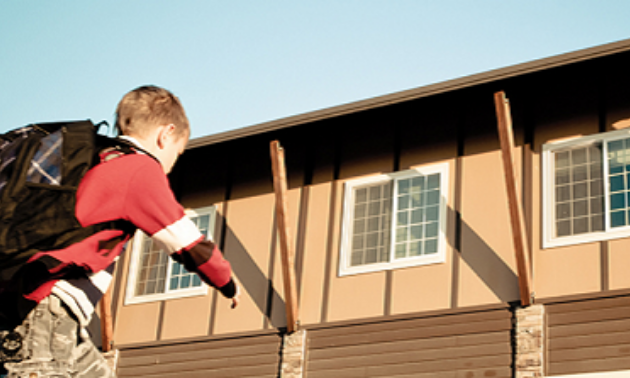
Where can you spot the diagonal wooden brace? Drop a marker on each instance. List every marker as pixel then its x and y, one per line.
pixel 517 220
pixel 286 244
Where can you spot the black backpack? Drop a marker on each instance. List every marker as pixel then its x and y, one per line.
pixel 40 169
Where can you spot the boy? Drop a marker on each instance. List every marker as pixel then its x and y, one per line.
pixel 65 285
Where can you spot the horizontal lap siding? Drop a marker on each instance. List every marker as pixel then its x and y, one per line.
pixel 457 345
pixel 589 336
pixel 251 356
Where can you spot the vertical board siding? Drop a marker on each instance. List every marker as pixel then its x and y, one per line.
pixel 237 357
pixel 589 335
pixel 475 344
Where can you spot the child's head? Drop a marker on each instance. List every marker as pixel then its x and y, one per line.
pixel 156 118
pixel 145 108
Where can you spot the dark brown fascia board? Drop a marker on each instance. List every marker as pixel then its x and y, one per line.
pixel 412 94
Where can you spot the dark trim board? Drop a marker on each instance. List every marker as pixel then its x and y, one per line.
pixel 589 334
pixel 254 355
pixel 452 344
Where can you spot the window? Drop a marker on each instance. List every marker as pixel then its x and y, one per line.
pixel 394 220
pixel 155 276
pixel 586 189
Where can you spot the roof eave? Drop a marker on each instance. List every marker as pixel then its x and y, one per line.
pixel 412 94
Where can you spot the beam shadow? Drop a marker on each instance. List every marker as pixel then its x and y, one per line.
pixel 257 284
pixel 483 260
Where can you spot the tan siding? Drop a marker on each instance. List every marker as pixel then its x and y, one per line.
pixel 487 272
pixel 358 296
pixel 248 247
pixel 619 261
pixel 137 323
pixel 568 270
pixel 186 317
pixel 454 345
pixel 314 265
pixel 588 336
pixel 251 356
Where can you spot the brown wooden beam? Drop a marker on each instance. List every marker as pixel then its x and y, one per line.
pixel 107 328
pixel 517 220
pixel 286 245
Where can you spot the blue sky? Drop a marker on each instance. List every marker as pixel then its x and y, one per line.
pixel 239 63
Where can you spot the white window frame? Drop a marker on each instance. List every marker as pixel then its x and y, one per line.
pixel 548 180
pixel 137 242
pixel 345 269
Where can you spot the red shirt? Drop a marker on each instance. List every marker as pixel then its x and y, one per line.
pixel 133 188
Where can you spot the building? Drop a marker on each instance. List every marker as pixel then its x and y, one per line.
pixel 405 261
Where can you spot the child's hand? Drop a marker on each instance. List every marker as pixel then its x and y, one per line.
pixel 236 297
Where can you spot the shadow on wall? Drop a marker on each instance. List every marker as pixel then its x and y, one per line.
pixel 499 277
pixel 483 260
pixel 254 281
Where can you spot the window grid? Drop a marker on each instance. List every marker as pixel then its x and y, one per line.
pixel 417 216
pixel 605 198
pixel 152 269
pixel 579 191
pixel 618 178
pixel 156 267
pixel 409 203
pixel 370 232
pixel 181 278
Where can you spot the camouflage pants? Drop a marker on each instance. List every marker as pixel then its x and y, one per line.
pixel 55 348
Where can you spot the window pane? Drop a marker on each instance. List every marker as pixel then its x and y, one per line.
pixel 617 218
pixel 430 246
pixel 433 181
pixel 416 232
pixel 401 250
pixel 203 223
pixel 423 224
pixel 152 268
pixel 360 195
pixel 562 159
pixel 562 176
pixel 578 190
pixel 563 211
pixel 433 197
pixel 580 173
pixel 580 225
pixel 580 208
pixel 597 223
pixel 415 248
pixel 432 230
pixel 370 256
pixel 417 215
pixel 578 156
pixel 616 183
pixel 403 217
pixel 619 171
pixel 563 228
pixel 372 222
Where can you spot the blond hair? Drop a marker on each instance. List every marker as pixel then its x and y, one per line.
pixel 148 107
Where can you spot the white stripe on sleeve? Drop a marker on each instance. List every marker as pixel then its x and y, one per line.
pixel 101 280
pixel 76 299
pixel 178 235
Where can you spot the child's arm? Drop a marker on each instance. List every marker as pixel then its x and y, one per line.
pixel 152 207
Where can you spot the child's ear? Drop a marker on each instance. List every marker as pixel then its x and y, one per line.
pixel 165 133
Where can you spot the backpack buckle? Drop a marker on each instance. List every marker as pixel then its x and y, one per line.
pixel 11 343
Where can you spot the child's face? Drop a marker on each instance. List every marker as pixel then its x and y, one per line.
pixel 172 148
